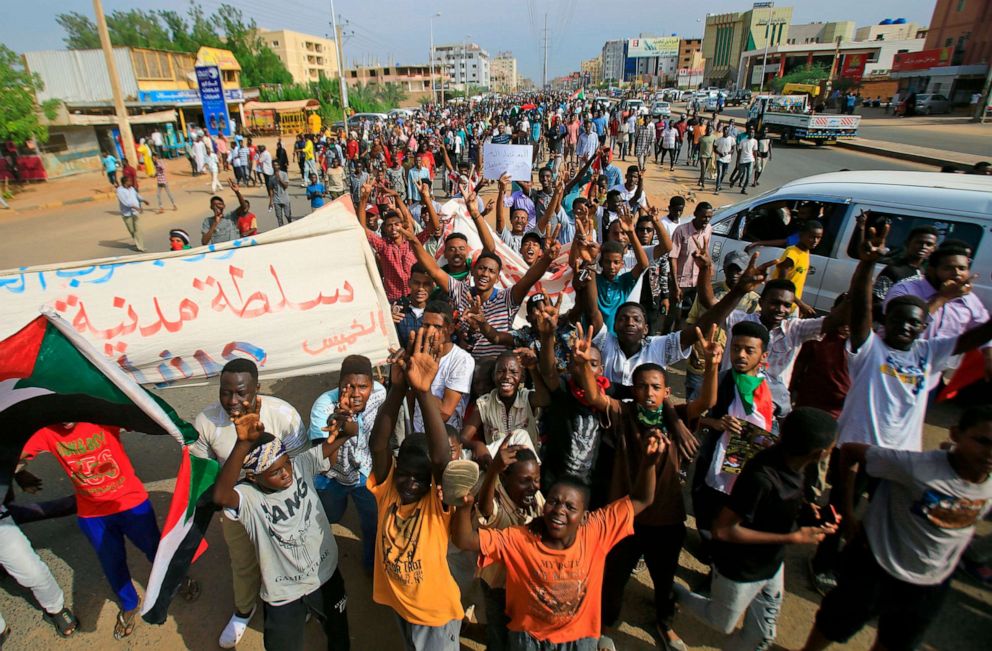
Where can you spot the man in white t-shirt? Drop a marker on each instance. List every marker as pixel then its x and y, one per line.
pixel 239 384
pixel 747 147
pixel 630 190
pixel 453 382
pixel 723 149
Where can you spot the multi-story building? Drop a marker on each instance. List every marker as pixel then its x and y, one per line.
pixel 593 69
pixel 730 35
pixel 691 63
pixel 464 64
pixel 307 57
pixel 891 30
pixel 503 73
pixel 613 57
pixel 414 80
pixel 957 54
pixel 821 33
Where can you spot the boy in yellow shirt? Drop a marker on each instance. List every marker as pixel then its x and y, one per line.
pixel 794 263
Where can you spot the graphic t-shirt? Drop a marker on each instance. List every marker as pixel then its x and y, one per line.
pixel 411 564
pixel 923 514
pixel 296 550
pixel 799 269
pixel 95 460
pixel 555 595
pixel 888 396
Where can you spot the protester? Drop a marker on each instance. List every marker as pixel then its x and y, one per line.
pixel 130 202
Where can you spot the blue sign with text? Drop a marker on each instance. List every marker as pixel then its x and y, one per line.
pixel 215 117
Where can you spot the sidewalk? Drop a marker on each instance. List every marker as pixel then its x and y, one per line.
pixel 925 155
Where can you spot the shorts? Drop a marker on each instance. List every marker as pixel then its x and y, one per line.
pixel 865 591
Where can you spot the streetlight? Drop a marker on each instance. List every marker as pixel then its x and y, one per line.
pixel 430 21
pixel 465 64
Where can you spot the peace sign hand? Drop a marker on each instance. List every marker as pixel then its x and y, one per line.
pixel 873 246
pixel 248 421
pixel 712 350
pixel 754 275
pixel 581 347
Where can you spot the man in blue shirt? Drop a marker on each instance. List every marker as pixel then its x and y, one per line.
pixel 315 192
pixel 110 167
pixel 600 123
pixel 417 174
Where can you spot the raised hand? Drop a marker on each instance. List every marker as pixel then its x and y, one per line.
pixel 421 367
pixel 655 445
pixel 503 182
pixel 582 345
pixel 528 358
pixel 248 421
pixel 712 350
pixel 552 247
pixel 474 315
pixel 546 319
pixel 489 207
pixel 367 189
pixel 336 421
pixel 873 245
pixel 406 231
pixel 754 274
pixel 702 258
pixel 397 362
pixel 506 455
pixel 233 185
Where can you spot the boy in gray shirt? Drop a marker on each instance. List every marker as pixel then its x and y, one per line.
pixel 279 508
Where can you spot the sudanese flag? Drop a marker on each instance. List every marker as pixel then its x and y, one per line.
pixel 50 374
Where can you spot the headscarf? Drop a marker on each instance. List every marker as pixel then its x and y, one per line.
pixel 263 456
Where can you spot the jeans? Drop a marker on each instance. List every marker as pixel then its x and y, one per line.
pixel 660 546
pixel 693 385
pixel 283 211
pixel 23 565
pixel 112 177
pixel 745 176
pixel 721 171
pixel 727 602
pixel 704 162
pixel 524 642
pixel 285 625
pixel 158 195
pixel 334 498
pixel 417 637
pixel 106 533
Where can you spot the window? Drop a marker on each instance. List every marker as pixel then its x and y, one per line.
pixel 948 42
pixel 768 221
pixel 230 76
pixel 901 225
pixel 275 43
pixel 56 144
pixel 961 5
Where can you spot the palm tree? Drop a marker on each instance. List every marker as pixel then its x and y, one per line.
pixel 392 95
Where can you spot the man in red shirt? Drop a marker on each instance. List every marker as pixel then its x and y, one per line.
pixel 111 503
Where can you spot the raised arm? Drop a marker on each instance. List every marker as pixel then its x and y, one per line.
pixel 505 456
pixel 578 177
pixel 523 286
pixel 433 225
pixel 973 338
pixel 421 367
pixel 423 257
pixel 664 245
pixel 712 353
pixel 642 494
pixel 502 184
pixel 237 193
pixel 584 376
pixel 485 233
pixel 627 224
pixel 872 249
pixel 386 418
pixel 249 429
pixel 552 208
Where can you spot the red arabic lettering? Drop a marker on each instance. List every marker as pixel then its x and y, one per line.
pixel 343 340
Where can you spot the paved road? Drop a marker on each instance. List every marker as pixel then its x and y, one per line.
pixel 95 230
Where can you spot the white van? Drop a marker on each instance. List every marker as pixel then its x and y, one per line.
pixel 959 206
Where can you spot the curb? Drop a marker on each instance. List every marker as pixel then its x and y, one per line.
pixel 915 157
pixel 67 202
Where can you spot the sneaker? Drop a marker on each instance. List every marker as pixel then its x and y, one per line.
pixel 235 630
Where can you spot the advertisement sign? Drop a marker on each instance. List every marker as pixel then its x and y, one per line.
pixel 854 66
pixel 297 300
pixel 922 60
pixel 667 46
pixel 184 96
pixel 215 117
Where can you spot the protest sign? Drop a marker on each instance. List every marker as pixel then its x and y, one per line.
pixel 296 300
pixel 515 160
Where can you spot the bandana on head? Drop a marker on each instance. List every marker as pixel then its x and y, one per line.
pixel 263 456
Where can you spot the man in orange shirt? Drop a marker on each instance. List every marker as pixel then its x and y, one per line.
pixel 554 565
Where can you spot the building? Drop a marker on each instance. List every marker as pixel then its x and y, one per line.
pixel 651 60
pixel 821 33
pixel 592 69
pixel 691 63
pixel 160 92
pixel 891 30
pixel 414 80
pixel 730 35
pixel 613 57
pixel 464 64
pixel 503 73
pixel 306 57
pixel 854 60
pixel 955 60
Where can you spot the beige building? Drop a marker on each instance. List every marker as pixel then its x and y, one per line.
pixel 503 73
pixel 730 35
pixel 811 33
pixel 594 68
pixel 891 31
pixel 415 80
pixel 307 57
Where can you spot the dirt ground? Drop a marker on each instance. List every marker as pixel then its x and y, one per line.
pixel 964 622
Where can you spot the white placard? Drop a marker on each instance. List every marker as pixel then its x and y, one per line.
pixel 514 160
pixel 296 299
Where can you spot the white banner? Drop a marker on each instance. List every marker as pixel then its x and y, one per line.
pixel 515 160
pixel 296 300
pixel 666 46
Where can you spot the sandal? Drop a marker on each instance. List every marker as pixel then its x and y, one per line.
pixel 64 621
pixel 189 590
pixel 125 623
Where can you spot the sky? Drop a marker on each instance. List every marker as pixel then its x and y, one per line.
pixel 398 30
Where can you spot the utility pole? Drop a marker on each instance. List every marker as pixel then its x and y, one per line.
pixel 430 21
pixel 984 101
pixel 544 80
pixel 341 71
pixel 127 138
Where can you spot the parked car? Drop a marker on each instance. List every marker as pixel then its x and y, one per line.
pixel 739 97
pixel 930 103
pixel 400 113
pixel 632 105
pixel 356 119
pixel 661 109
pixel 958 206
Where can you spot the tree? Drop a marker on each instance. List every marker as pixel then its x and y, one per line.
pixel 804 75
pixel 392 95
pixel 18 106
pixel 80 31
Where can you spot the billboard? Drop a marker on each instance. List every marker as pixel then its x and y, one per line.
pixel 215 116
pixel 667 46
pixel 922 60
pixel 854 66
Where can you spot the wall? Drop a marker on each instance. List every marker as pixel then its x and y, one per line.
pixel 82 152
pixel 968 29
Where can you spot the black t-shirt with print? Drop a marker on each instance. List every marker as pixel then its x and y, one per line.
pixel 767 496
